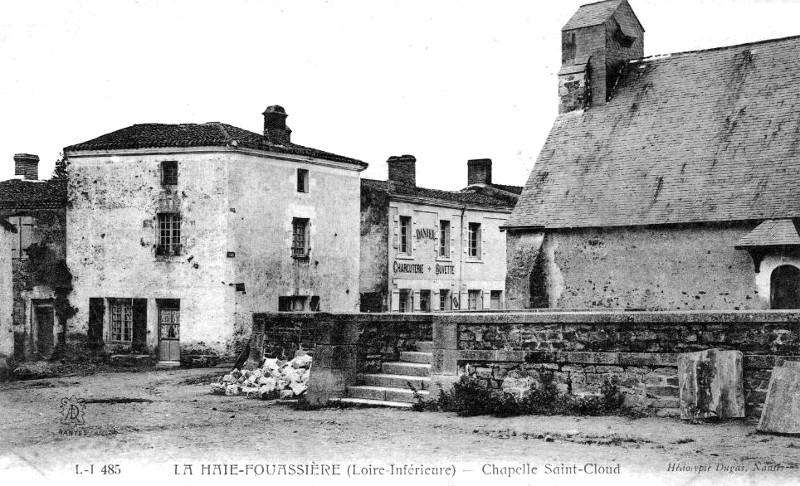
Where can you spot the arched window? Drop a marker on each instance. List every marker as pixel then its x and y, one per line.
pixel 784 284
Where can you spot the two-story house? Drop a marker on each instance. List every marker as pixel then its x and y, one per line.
pixel 426 250
pixel 176 234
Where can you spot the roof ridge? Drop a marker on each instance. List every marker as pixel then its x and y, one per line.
pixel 667 55
pixel 600 1
pixel 225 133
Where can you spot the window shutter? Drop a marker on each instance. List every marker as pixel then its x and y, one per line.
pixel 15 251
pixel 415 299
pixel 395 301
pixel 413 235
pixel 140 324
pixel 396 228
pixel 435 300
pixel 481 246
pixel 25 235
pixel 480 305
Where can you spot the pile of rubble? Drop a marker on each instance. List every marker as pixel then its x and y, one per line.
pixel 275 379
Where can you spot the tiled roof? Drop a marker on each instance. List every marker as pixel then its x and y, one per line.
pixel 458 197
pixel 213 134
pixel 513 189
pixel 26 194
pixel 772 232
pixel 693 137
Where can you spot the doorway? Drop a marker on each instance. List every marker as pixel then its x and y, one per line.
pixel 44 323
pixel 784 284
pixel 169 329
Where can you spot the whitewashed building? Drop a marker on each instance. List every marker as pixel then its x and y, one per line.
pixel 177 234
pixel 425 250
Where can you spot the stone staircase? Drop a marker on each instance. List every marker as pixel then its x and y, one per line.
pixel 389 388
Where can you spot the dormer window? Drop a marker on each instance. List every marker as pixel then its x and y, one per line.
pixel 169 173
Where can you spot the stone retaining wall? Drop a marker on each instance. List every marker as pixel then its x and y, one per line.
pixel 636 350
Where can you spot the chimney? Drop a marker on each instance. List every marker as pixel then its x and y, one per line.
pixel 479 171
pixel 403 169
pixel 26 165
pixel 275 129
pixel 596 44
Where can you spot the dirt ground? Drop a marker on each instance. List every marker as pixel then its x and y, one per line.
pixel 152 424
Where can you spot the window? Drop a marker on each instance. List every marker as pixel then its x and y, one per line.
pixel 444 299
pixel 405 301
pixel 169 234
pixel 300 246
pixel 425 300
pixel 405 235
pixel 122 320
pixel 474 235
pixel 496 299
pixel 292 303
pixel 313 305
pixel 302 180
pixel 444 239
pixel 169 173
pixel 473 300
pixel 23 238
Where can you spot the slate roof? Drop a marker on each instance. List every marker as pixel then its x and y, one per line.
pixel 772 232
pixel 213 134
pixel 458 197
pixel 699 136
pixel 27 194
pixel 593 14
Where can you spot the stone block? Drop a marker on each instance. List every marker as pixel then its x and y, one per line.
pixel 781 411
pixel 445 335
pixel 668 412
pixel 711 384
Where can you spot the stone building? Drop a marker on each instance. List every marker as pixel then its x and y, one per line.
pixel 666 182
pixel 40 281
pixel 427 250
pixel 177 234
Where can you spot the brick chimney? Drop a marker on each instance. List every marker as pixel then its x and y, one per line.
pixel 596 44
pixel 403 169
pixel 479 171
pixel 275 129
pixel 26 165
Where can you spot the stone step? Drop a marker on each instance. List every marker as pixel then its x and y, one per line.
pixel 384 393
pixel 408 369
pixel 416 357
pixel 372 403
pixel 424 346
pixel 395 381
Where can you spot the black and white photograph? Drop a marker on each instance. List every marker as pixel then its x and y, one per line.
pixel 400 242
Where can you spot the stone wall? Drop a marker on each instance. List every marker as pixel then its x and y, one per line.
pixel 33 284
pixel 380 337
pixel 638 351
pixel 669 267
pixel 373 278
pixel 6 301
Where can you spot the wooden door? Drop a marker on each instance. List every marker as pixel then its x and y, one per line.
pixel 169 327
pixel 44 330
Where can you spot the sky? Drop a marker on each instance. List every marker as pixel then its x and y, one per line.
pixel 443 80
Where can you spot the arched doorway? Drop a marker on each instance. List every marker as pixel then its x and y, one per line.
pixel 784 284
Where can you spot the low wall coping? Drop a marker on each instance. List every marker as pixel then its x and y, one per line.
pixel 555 317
